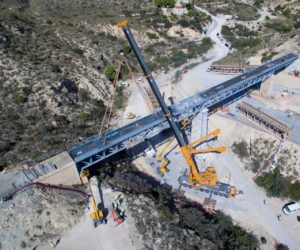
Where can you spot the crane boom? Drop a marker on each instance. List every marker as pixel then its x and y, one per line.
pixel 152 82
pixel 209 176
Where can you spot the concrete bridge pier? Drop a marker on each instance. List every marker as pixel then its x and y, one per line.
pixel 200 129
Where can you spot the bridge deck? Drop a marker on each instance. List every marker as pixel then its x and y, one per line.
pixel 94 145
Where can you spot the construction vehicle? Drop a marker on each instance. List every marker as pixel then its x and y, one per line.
pixel 96 214
pixel 96 202
pixel 117 214
pixel 196 178
pixel 162 170
pixel 131 116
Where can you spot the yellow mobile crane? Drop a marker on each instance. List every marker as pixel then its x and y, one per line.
pixel 196 178
pixel 162 158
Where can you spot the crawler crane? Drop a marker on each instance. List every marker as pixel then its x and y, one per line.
pixel 208 177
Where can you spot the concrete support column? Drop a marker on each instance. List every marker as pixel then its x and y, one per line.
pixel 200 129
pixel 267 86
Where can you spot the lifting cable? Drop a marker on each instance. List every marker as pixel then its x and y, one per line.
pixel 109 107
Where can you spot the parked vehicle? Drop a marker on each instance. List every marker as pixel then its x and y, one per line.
pixel 139 80
pixel 131 116
pixel 124 84
pixel 290 208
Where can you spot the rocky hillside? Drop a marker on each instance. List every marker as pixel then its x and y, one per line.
pixel 53 58
pixel 35 217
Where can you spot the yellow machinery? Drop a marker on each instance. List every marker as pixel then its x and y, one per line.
pixel 130 116
pixel 96 198
pixel 162 170
pixel 96 201
pixel 208 176
pixel 162 159
pixel 96 214
pixel 84 175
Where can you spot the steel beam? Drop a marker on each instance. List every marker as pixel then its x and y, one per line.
pixel 86 154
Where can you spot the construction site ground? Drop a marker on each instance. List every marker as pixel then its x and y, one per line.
pixel 108 236
pixel 46 219
pixel 247 209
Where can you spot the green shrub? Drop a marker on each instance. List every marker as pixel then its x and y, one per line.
pixel 98 109
pixel 119 98
pixel 21 99
pixel 287 12
pixel 110 72
pixel 258 3
pixel 84 95
pixel 127 49
pixel 241 149
pixel 165 213
pixel 294 191
pixel 178 58
pixel 26 90
pixel 78 51
pixel 274 183
pixel 218 229
pixel 165 3
pixel 55 68
pixel 279 26
pixel 84 117
pixel 151 35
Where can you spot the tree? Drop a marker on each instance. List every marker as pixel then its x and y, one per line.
pixel 241 149
pixel 274 183
pixel 281 246
pixel 165 3
pixel 287 12
pixel 21 99
pixel 294 190
pixel 127 49
pixel 110 72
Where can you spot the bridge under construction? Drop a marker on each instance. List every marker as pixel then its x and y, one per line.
pixel 96 149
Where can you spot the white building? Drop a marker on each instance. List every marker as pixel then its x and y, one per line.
pixel 185 1
pixel 179 10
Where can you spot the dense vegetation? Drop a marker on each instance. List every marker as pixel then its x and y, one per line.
pixel 165 3
pixel 241 37
pixel 180 55
pixel 278 185
pixel 194 19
